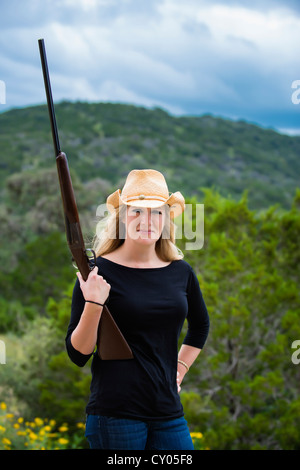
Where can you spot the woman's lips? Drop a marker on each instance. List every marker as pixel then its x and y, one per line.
pixel 145 231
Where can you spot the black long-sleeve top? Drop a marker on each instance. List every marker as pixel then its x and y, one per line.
pixel 149 306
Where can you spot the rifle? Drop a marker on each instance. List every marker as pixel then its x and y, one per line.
pixel 111 344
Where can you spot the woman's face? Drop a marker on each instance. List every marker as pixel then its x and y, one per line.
pixel 143 224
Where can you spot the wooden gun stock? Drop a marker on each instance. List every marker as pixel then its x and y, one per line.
pixel 72 224
pixel 111 344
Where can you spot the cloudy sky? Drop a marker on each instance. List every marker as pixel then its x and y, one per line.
pixel 236 59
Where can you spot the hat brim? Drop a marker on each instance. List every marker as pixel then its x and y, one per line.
pixel 175 202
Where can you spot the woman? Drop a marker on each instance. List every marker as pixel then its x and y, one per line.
pixel 149 290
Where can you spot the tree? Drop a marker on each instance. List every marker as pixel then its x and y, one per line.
pixel 249 274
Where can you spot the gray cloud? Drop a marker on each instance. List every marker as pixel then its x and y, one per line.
pixel 236 59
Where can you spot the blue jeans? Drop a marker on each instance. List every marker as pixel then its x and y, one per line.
pixel 103 432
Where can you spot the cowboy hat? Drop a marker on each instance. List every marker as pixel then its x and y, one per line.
pixel 146 188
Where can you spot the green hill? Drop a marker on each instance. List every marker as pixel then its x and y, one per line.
pixel 105 141
pixel 108 140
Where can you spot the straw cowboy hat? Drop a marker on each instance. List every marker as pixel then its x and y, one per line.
pixel 146 188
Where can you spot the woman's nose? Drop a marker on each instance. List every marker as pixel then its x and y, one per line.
pixel 145 216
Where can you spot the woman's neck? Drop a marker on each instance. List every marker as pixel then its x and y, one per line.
pixel 134 255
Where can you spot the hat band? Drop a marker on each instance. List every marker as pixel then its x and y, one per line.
pixel 142 197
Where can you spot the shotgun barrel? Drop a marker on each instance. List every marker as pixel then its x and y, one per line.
pixel 111 344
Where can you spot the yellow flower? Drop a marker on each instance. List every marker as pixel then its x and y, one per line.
pixel 6 441
pixel 80 425
pixel 47 428
pixel 63 441
pixel 32 436
pixel 16 426
pixel 52 422
pixel 63 428
pixel 21 433
pixel 198 435
pixel 20 420
pixel 2 406
pixel 9 415
pixel 39 421
pixel 2 429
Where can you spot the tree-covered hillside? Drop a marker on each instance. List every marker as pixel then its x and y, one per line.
pixel 103 142
pixel 108 140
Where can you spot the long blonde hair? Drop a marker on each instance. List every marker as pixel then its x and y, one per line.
pixel 110 234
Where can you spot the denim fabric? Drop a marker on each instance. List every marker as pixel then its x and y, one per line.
pixel 103 432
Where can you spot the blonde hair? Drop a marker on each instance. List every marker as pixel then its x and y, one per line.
pixel 110 234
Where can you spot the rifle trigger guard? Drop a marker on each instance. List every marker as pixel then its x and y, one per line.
pixel 91 259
